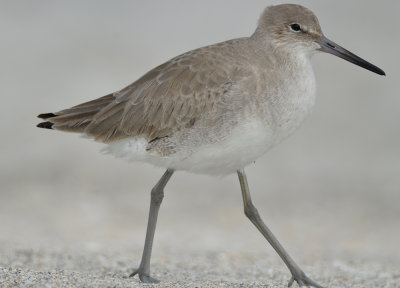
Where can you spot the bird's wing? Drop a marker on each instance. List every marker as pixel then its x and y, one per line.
pixel 171 96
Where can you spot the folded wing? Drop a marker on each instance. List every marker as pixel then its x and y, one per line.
pixel 170 97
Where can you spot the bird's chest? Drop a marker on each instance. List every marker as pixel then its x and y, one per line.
pixel 289 102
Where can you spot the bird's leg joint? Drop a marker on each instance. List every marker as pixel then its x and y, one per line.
pixel 251 211
pixel 157 195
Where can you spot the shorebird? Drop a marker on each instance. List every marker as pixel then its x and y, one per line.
pixel 214 110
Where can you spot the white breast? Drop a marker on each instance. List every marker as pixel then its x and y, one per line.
pixel 293 101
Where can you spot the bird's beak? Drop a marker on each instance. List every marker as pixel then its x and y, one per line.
pixel 331 47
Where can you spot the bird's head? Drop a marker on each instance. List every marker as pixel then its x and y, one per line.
pixel 296 28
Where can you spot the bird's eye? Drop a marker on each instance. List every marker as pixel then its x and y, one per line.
pixel 295 27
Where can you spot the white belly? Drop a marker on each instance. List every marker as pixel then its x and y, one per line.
pixel 243 146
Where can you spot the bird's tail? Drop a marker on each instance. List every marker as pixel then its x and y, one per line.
pixel 77 118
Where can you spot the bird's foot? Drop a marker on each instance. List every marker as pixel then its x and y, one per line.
pixel 144 277
pixel 301 278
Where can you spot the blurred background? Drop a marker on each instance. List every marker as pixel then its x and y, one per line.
pixel 330 191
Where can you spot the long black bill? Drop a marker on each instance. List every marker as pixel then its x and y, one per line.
pixel 331 47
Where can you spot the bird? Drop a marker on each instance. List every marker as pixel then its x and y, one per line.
pixel 214 110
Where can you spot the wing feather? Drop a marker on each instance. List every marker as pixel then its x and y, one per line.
pixel 171 97
pixel 168 98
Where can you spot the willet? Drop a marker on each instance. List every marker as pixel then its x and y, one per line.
pixel 214 110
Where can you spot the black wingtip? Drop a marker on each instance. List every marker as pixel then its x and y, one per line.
pixel 46 125
pixel 46 115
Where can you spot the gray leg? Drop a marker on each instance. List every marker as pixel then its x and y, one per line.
pixel 252 213
pixel 157 195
